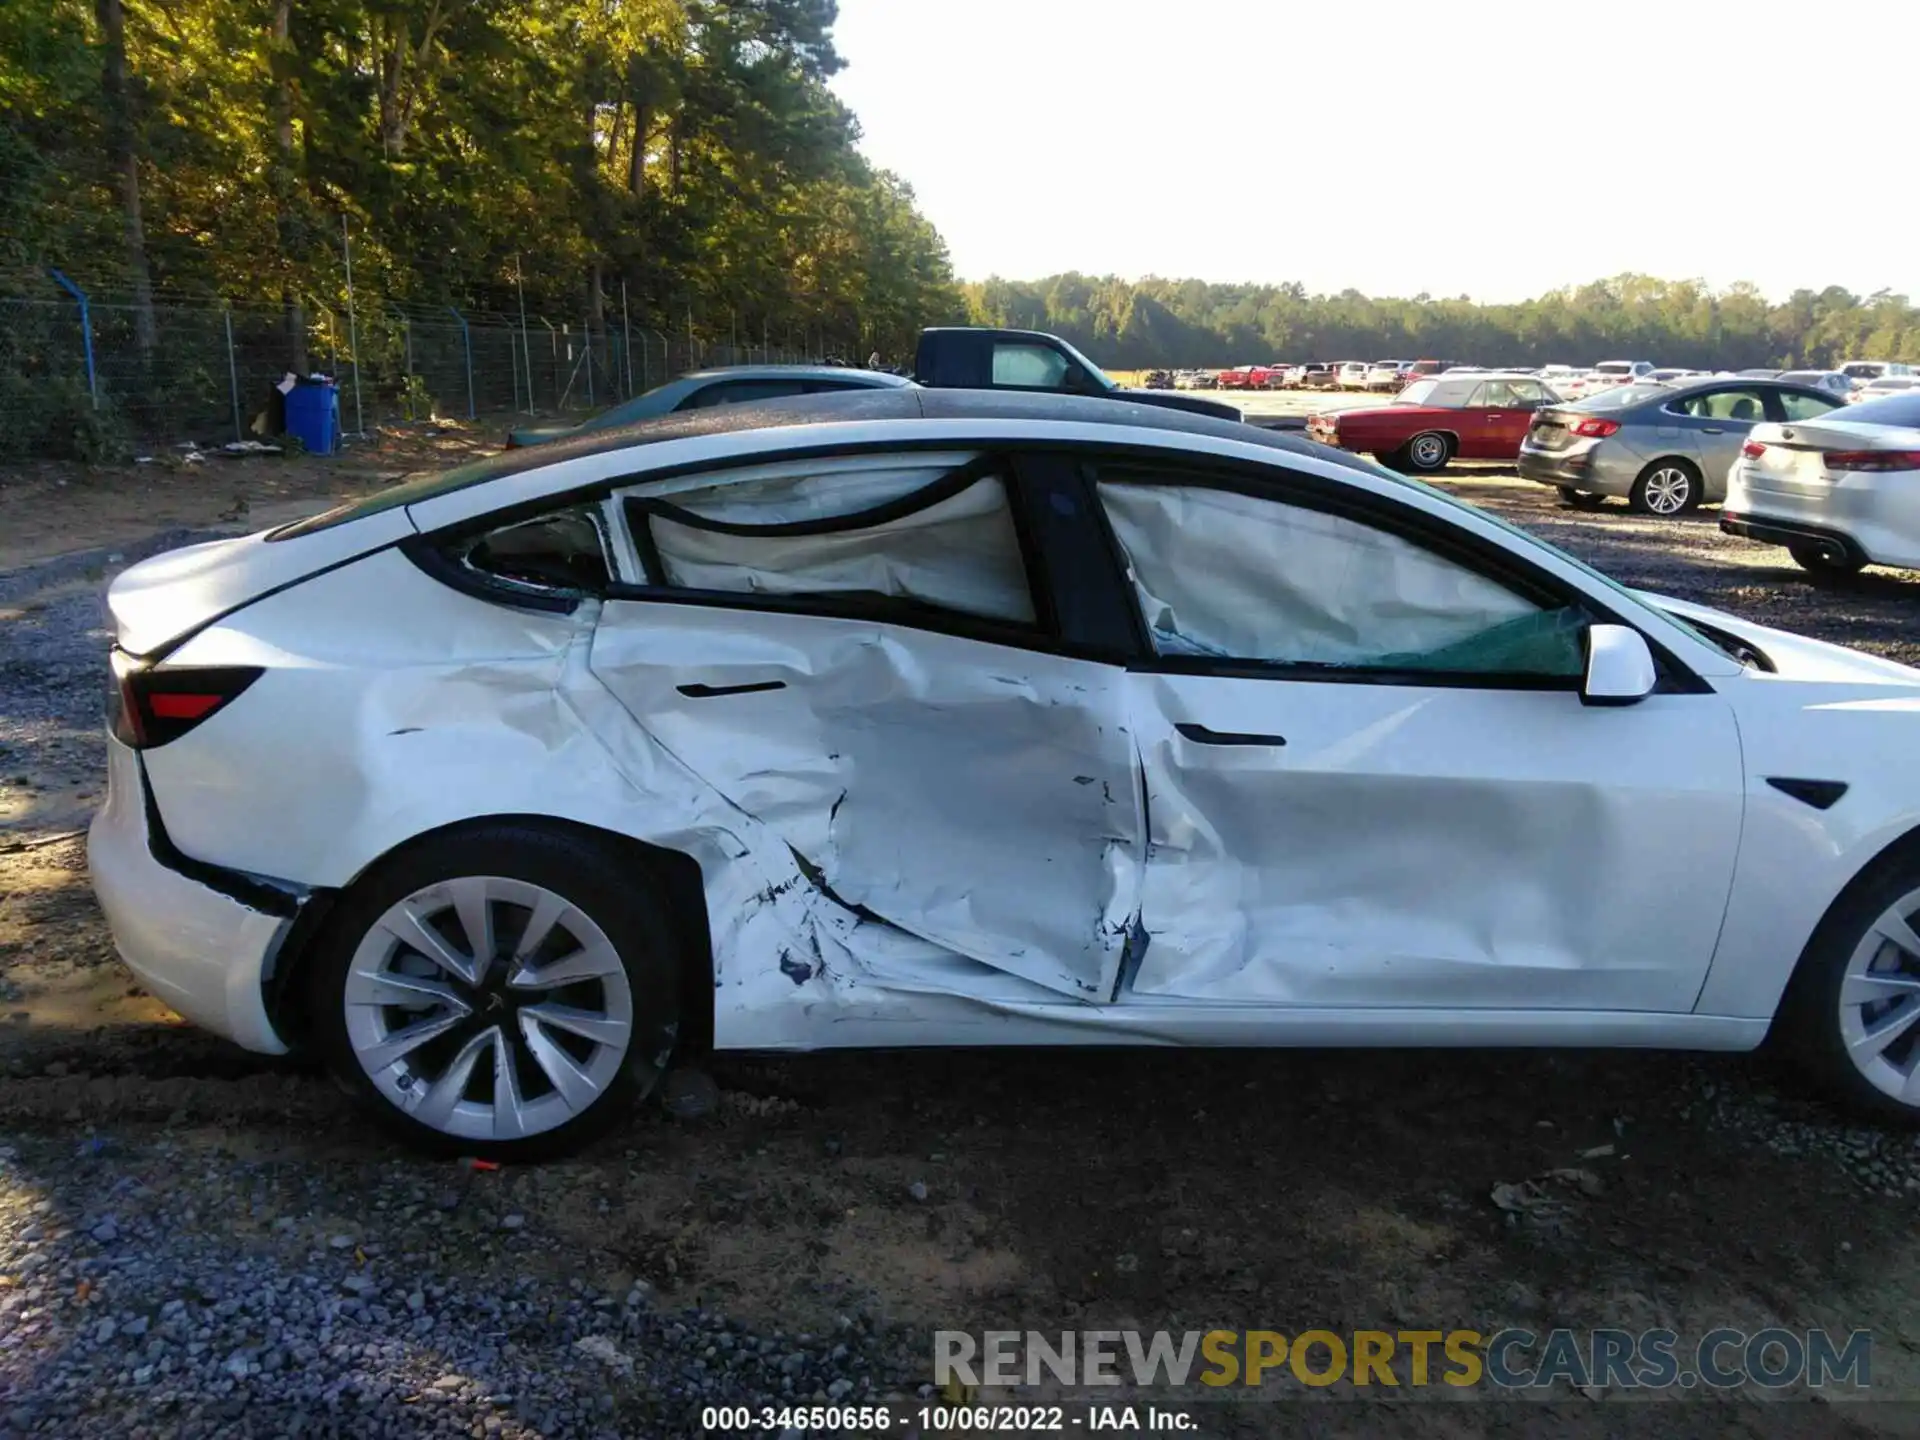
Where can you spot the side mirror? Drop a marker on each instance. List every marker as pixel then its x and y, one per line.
pixel 1620 669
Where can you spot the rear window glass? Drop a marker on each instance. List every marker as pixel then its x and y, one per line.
pixel 1901 409
pixel 1619 397
pixel 407 492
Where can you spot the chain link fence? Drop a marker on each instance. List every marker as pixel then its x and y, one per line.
pixel 88 375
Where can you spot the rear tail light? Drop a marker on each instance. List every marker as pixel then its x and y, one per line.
pixel 150 706
pixel 1872 459
pixel 1596 429
pixel 1753 449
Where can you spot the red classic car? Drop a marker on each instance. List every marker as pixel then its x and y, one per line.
pixel 1442 418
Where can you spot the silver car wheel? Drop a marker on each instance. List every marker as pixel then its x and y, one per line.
pixel 1429 452
pixel 1669 490
pixel 1880 1003
pixel 488 1008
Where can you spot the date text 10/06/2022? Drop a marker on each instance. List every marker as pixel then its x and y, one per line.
pixel 928 1419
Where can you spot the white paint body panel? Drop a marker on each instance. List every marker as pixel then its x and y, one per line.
pixel 392 705
pixel 1412 846
pixel 161 598
pixel 200 952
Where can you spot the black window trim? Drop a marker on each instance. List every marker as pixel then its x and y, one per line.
pixel 1431 533
pixel 1268 479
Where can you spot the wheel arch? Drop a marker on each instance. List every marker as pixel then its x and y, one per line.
pixel 679 876
pixel 1902 851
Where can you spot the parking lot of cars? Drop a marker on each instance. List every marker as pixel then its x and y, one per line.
pixel 1828 457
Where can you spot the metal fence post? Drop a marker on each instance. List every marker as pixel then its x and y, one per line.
pixel 353 331
pixel 233 373
pixel 526 355
pixel 86 332
pixel 513 364
pixel 626 337
pixel 466 344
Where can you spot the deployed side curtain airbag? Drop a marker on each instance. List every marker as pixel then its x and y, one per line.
pixel 959 551
pixel 1228 575
pixel 795 493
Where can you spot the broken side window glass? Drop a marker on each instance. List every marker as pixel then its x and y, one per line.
pixel 1241 577
pixel 564 550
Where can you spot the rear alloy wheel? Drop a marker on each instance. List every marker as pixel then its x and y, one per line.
pixel 1854 1007
pixel 1823 563
pixel 1666 487
pixel 507 992
pixel 1580 499
pixel 1426 452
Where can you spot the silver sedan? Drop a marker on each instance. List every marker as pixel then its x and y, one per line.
pixel 1666 448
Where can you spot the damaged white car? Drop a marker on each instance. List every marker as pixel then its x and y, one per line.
pixel 928 718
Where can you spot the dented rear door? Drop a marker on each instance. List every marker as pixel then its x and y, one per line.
pixel 880 691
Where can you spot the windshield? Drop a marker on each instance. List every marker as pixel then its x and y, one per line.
pixel 1863 371
pixel 1420 392
pixel 1106 381
pixel 1614 367
pixel 1620 397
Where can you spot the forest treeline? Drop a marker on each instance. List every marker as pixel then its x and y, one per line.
pixel 470 151
pixel 683 163
pixel 1128 325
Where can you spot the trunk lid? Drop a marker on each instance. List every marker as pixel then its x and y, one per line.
pixel 1552 427
pixel 162 600
pixel 1793 455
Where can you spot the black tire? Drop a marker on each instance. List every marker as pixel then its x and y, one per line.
pixel 611 888
pixel 1822 566
pixel 1580 499
pixel 1659 481
pixel 1425 454
pixel 1809 1027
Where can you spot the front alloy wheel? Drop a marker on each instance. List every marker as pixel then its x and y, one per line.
pixel 1852 1012
pixel 1879 1003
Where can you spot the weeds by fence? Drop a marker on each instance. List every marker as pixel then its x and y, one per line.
pixel 82 375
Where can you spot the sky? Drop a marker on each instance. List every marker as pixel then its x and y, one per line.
pixel 1496 151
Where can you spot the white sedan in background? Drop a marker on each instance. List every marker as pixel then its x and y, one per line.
pixel 935 718
pixel 1841 492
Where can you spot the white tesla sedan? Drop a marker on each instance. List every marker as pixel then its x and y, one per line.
pixel 937 718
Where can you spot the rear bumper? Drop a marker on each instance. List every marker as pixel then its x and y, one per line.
pixel 1592 467
pixel 203 951
pixel 1831 543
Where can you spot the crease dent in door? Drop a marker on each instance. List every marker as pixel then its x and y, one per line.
pixel 782 943
pixel 1332 874
pixel 985 811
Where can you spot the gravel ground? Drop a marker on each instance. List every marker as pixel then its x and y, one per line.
pixel 198 1242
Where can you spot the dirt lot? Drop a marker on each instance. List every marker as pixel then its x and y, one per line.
pixel 841 1207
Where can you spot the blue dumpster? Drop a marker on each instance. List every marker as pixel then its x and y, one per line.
pixel 313 415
